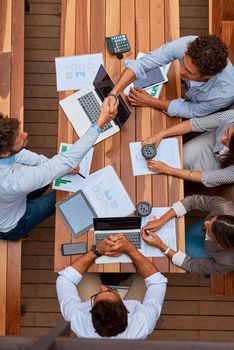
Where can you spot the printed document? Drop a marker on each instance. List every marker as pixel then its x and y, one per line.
pixel 107 194
pixel 73 183
pixel 167 152
pixel 77 72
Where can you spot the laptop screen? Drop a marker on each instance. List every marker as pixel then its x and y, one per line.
pixel 103 80
pixel 119 223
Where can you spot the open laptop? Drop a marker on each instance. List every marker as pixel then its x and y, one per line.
pixel 82 108
pixel 130 226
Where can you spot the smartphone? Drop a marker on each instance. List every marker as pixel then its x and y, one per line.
pixel 73 248
pixel 153 77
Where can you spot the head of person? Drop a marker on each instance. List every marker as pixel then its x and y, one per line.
pixel 12 139
pixel 205 57
pixel 221 229
pixel 109 314
pixel 228 140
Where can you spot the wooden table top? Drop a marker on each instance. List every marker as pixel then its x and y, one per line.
pixel 148 25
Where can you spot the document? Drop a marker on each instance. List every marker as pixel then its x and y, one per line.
pixel 167 152
pixel 167 233
pixel 73 183
pixel 77 72
pixel 107 194
pixel 155 90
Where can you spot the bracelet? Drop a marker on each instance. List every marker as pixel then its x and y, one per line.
pixel 167 250
pixel 191 174
pixel 114 95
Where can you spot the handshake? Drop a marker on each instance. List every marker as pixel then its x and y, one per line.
pixel 108 111
pixel 115 245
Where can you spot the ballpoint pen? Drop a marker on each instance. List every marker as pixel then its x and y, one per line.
pixel 81 175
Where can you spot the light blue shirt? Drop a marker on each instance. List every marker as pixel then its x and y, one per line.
pixel 216 93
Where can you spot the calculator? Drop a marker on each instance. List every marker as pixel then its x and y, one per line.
pixel 118 44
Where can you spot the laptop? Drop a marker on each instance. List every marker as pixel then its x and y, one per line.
pixel 130 226
pixel 82 108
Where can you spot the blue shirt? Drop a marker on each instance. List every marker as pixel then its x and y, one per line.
pixel 216 93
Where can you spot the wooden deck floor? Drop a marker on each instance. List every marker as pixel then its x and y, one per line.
pixel 189 313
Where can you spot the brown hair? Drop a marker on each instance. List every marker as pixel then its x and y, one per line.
pixel 9 129
pixel 223 230
pixel 109 318
pixel 228 158
pixel 209 53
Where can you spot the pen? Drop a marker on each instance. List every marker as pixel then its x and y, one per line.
pixel 81 175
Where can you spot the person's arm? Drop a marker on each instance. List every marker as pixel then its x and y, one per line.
pixel 218 177
pixel 68 279
pixel 198 202
pixel 27 157
pixel 175 130
pixel 157 224
pixel 162 168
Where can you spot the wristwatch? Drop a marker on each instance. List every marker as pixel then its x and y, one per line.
pixel 94 249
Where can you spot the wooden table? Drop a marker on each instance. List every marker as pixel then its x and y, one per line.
pixel 148 24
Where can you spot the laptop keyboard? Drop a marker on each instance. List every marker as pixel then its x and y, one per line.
pixel 133 237
pixel 92 108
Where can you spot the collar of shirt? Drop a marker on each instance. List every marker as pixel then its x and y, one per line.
pixel 8 160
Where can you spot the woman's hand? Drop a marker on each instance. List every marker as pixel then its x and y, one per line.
pixel 153 140
pixel 74 171
pixel 139 97
pixel 152 239
pixel 159 167
pixel 153 225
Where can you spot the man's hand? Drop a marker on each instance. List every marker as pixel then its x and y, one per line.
pixel 122 245
pixel 159 167
pixel 110 246
pixel 152 240
pixel 153 140
pixel 139 97
pixel 74 171
pixel 108 111
pixel 153 225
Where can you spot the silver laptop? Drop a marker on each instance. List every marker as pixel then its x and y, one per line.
pixel 82 108
pixel 130 226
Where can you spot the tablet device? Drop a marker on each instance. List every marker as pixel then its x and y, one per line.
pixel 77 213
pixel 153 77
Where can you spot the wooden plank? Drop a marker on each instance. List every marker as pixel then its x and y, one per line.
pixel 128 132
pixel 228 37
pixel 65 133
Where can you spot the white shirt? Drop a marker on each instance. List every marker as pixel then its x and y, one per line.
pixel 28 171
pixel 142 317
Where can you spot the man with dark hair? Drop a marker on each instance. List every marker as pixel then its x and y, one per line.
pixel 96 310
pixel 207 73
pixel 25 176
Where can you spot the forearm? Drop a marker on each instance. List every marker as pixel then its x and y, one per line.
pixel 127 77
pixel 170 214
pixel 178 129
pixel 83 263
pixel 144 266
pixel 194 176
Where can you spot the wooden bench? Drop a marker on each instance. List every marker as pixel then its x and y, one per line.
pixel 148 25
pixel 11 103
pixel 221 23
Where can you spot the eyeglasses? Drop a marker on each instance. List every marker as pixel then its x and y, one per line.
pixel 110 290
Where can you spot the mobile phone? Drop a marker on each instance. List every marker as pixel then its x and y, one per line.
pixel 153 77
pixel 73 248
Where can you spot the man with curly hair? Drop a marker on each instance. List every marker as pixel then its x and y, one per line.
pixel 205 69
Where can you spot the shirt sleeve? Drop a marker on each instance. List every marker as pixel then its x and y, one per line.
pixel 201 266
pixel 186 109
pixel 211 122
pixel 68 296
pixel 218 177
pixel 159 57
pixel 179 209
pixel 201 202
pixel 30 158
pixel 154 297
pixel 29 178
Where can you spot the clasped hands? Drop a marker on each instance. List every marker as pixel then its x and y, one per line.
pixel 115 245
